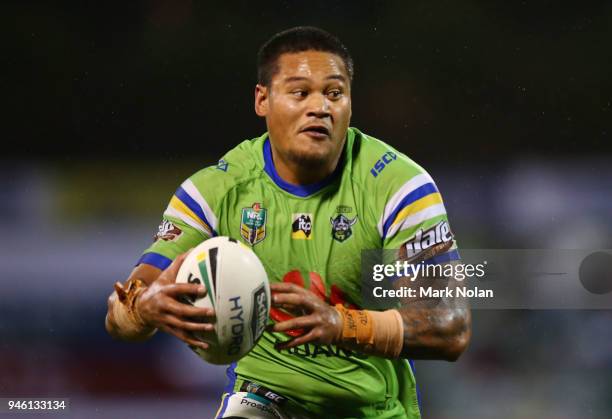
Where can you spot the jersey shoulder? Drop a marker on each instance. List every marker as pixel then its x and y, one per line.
pixel 240 164
pixel 380 168
pixel 402 196
pixel 197 200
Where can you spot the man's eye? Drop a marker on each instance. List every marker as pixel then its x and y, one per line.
pixel 334 94
pixel 299 93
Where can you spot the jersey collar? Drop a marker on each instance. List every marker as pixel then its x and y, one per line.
pixel 298 190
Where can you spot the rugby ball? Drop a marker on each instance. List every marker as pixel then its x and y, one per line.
pixel 237 289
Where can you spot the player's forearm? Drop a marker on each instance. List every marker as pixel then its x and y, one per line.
pixel 435 333
pixel 434 327
pixel 122 319
pixel 378 333
pixel 407 333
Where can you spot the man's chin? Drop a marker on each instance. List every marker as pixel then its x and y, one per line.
pixel 312 153
pixel 312 159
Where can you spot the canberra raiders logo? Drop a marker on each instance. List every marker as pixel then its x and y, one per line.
pixel 253 224
pixel 341 227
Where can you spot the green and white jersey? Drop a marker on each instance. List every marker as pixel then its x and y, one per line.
pixel 312 236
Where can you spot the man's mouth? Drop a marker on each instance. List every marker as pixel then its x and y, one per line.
pixel 317 131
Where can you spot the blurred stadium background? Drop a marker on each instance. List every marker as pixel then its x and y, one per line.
pixel 108 106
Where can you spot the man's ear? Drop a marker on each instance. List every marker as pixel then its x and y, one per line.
pixel 261 100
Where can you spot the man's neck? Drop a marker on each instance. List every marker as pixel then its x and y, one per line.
pixel 296 174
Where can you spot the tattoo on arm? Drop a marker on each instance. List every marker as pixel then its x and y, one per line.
pixel 436 323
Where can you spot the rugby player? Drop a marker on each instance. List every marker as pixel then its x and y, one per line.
pixel 307 196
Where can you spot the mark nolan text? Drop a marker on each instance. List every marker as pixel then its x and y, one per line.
pixel 432 292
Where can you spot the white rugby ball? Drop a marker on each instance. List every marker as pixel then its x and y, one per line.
pixel 237 289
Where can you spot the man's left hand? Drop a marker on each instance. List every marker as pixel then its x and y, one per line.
pixel 322 324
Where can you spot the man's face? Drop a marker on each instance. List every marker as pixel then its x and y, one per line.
pixel 307 107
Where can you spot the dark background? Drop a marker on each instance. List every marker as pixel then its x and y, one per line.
pixel 479 81
pixel 109 106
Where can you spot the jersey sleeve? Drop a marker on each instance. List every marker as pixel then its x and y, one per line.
pixel 414 219
pixel 187 221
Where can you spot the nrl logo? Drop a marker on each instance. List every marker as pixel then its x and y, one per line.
pixel 341 227
pixel 167 232
pixel 253 224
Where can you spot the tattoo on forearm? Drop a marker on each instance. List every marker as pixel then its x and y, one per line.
pixel 435 326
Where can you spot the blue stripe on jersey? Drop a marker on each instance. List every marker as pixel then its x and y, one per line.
pixel 229 388
pixel 193 206
pixel 224 406
pixel 155 259
pixel 416 387
pixel 416 194
pixel 298 190
pixel 231 376
pixel 444 257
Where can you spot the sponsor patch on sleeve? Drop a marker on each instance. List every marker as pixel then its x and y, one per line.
pixel 428 243
pixel 167 232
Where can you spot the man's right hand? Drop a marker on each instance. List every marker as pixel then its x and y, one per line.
pixel 160 307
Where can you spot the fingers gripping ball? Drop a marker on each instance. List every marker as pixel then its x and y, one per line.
pixel 237 289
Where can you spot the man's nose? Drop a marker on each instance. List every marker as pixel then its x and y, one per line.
pixel 318 106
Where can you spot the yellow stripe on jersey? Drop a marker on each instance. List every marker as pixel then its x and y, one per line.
pixel 418 205
pixel 178 205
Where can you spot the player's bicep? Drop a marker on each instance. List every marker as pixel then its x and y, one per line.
pixel 414 228
pixel 187 221
pixel 414 223
pixel 174 237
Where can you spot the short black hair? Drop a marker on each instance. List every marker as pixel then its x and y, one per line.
pixel 298 39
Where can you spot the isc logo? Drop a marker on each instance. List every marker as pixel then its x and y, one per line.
pixel 381 163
